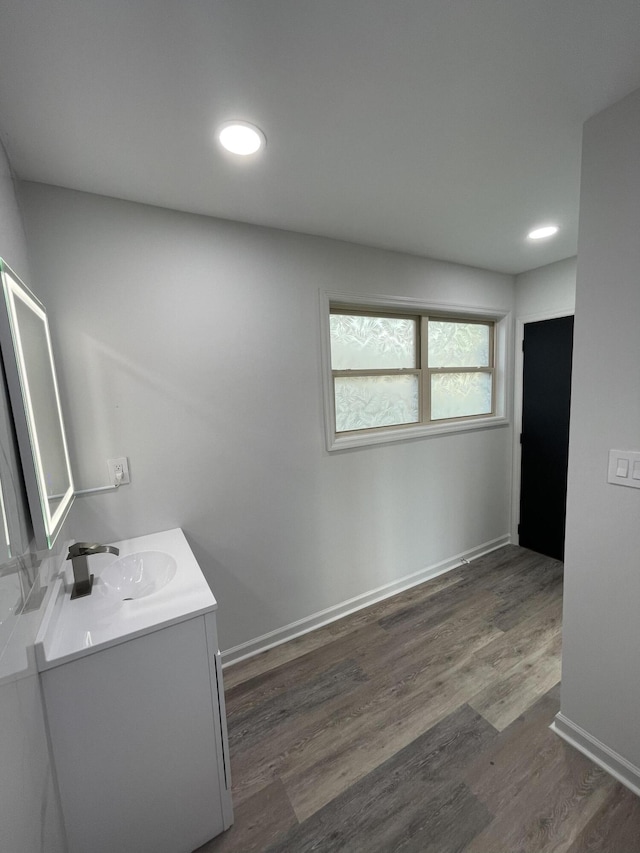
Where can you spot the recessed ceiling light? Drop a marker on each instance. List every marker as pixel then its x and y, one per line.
pixel 241 138
pixel 542 232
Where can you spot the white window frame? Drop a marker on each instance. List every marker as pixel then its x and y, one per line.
pixel 502 318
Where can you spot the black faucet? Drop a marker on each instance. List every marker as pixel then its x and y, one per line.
pixel 78 553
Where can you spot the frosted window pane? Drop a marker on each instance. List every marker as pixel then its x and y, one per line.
pixel 458 395
pixel 365 402
pixel 372 343
pixel 454 344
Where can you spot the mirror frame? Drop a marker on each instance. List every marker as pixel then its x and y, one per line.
pixel 6 541
pixel 46 525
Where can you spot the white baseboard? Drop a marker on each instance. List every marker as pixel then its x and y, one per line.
pixel 614 763
pixel 324 617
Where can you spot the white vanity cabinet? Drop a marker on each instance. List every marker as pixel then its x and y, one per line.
pixel 138 732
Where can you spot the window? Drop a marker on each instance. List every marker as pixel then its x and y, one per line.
pixel 374 360
pixel 460 367
pixel 409 373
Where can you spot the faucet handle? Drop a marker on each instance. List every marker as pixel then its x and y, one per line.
pixel 77 549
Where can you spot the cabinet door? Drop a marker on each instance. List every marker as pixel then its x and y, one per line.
pixel 134 742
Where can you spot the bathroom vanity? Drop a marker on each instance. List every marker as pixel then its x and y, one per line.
pixel 132 683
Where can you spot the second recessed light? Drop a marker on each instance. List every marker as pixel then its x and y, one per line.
pixel 241 138
pixel 542 232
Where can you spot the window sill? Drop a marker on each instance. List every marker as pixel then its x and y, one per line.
pixel 409 433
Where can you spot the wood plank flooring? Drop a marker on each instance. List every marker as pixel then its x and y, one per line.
pixel 421 724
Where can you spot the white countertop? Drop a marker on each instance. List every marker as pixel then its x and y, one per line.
pixel 73 629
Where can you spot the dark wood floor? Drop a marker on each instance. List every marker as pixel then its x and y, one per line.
pixel 421 724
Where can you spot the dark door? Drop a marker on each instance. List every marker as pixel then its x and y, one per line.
pixel 546 397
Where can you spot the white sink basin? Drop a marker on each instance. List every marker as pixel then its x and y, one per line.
pixel 138 575
pixel 159 571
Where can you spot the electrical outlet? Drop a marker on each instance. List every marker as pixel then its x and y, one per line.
pixel 118 471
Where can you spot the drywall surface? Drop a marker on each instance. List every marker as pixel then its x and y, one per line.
pixel 547 291
pixel 192 346
pixel 29 813
pixel 13 247
pixel 601 665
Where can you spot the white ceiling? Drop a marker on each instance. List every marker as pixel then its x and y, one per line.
pixel 445 128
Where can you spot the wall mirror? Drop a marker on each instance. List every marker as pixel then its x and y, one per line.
pixel 35 402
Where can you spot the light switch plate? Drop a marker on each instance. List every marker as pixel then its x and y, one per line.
pixel 624 468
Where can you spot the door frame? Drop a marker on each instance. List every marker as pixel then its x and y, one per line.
pixel 518 367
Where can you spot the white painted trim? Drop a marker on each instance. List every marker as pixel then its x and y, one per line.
pixel 406 433
pixel 352 605
pixel 502 319
pixel 517 408
pixel 602 755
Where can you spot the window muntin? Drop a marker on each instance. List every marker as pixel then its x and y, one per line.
pixel 394 370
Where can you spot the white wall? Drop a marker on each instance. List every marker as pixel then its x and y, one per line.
pixel 547 291
pixel 601 662
pixel 192 346
pixel 29 812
